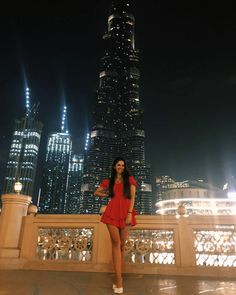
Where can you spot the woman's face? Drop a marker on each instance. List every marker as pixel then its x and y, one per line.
pixel 120 167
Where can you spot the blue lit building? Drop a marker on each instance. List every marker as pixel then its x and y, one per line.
pixel 56 171
pixel 74 184
pixel 23 156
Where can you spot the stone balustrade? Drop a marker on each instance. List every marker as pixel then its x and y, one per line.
pixel 182 245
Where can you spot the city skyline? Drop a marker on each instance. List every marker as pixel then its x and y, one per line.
pixel 187 80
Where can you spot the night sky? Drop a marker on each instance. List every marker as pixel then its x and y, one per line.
pixel 188 79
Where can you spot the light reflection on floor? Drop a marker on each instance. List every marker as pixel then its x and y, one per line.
pixel 19 282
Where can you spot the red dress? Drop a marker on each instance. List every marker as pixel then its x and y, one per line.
pixel 118 207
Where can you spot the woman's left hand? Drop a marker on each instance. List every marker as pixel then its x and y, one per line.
pixel 128 219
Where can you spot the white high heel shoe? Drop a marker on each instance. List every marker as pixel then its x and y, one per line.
pixel 118 290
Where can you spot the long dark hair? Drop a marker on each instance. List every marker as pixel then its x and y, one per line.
pixel 125 175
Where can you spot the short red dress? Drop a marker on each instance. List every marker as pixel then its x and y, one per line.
pixel 118 207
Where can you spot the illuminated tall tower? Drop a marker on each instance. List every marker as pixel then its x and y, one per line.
pixel 118 117
pixel 55 175
pixel 23 156
pixel 74 184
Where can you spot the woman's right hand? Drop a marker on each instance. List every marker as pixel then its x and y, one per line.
pixel 101 192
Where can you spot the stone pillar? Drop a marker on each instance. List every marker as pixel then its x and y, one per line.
pixel 187 251
pixel 14 207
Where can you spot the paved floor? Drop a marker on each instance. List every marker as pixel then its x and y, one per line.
pixel 21 282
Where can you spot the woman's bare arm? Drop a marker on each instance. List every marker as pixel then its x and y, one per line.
pixel 131 206
pixel 132 199
pixel 101 192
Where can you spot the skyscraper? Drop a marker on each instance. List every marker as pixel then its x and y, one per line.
pixel 118 117
pixel 55 175
pixel 23 156
pixel 74 184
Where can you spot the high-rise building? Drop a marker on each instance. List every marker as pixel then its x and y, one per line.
pixel 23 156
pixel 168 188
pixel 163 184
pixel 74 184
pixel 56 168
pixel 118 117
pixel 197 196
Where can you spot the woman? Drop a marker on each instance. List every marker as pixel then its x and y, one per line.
pixel 119 214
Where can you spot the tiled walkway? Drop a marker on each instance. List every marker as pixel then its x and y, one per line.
pixel 20 282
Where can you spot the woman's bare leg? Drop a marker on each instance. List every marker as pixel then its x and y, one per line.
pixel 124 232
pixel 116 252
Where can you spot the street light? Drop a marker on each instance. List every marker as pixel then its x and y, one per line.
pixel 18 187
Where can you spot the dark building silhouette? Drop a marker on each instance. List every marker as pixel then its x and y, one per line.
pixel 118 116
pixel 23 156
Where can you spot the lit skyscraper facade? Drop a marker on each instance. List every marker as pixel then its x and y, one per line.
pixel 197 196
pixel 118 117
pixel 23 156
pixel 74 184
pixel 55 175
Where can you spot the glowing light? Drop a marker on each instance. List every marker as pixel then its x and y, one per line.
pixel 18 187
pixel 87 141
pixel 64 119
pixel 231 195
pixel 215 206
pixel 225 186
pixel 27 96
